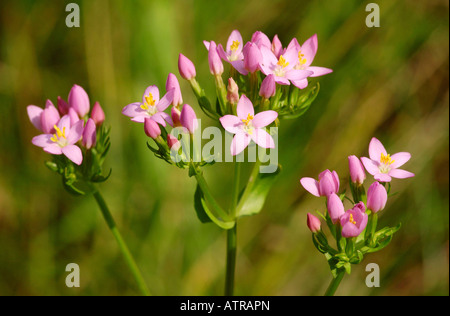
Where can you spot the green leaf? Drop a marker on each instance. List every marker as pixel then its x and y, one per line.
pixel 256 198
pixel 100 178
pixel 204 214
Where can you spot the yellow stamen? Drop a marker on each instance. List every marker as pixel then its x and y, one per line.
pixel 351 220
pixel 59 132
pixel 148 101
pixel 301 60
pixel 248 119
pixel 387 160
pixel 282 62
pixel 235 45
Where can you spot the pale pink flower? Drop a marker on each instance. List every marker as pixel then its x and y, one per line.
pixel 328 183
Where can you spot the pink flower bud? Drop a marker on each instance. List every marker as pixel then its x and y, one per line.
pixel 73 116
pixel 335 207
pixel 261 39
pixel 151 128
pixel 188 118
pixel 49 118
pixel 277 47
pixel 214 60
pixel 172 83
pixel 376 197
pixel 232 91
pixel 89 134
pixel 252 57
pixel 328 183
pixel 173 142
pixel 175 114
pixel 97 114
pixel 268 87
pixel 63 106
pixel 186 67
pixel 79 100
pixel 313 223
pixel 357 173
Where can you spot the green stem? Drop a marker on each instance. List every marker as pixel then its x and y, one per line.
pixel 248 188
pixel 335 283
pixel 122 245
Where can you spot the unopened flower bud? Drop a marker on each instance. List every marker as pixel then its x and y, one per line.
pixel 232 91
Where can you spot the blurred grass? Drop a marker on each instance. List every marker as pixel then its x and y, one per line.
pixel 390 82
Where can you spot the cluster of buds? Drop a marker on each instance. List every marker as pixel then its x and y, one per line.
pixel 355 229
pixel 75 137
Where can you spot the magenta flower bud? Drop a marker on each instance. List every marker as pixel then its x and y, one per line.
pixel 232 91
pixel 313 223
pixel 186 67
pixel 172 83
pixel 268 87
pixel 214 60
pixel 376 197
pixel 252 57
pixel 79 100
pixel 73 116
pixel 97 114
pixel 63 106
pixel 173 142
pixel 188 118
pixel 89 134
pixel 354 221
pixel 357 173
pixel 175 114
pixel 277 47
pixel 49 118
pixel 328 183
pixel 151 128
pixel 335 207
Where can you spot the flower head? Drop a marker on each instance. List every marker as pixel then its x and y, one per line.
pixel 383 166
pixel 233 52
pixel 186 67
pixel 356 168
pixel 172 83
pixel 97 114
pixel 376 197
pixel 247 126
pixel 252 57
pixel 89 134
pixel 214 60
pixel 151 107
pixel 79 100
pixel 327 184
pixel 335 207
pixel 354 221
pixel 188 118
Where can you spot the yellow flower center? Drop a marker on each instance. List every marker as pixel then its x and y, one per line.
pixel 149 101
pixel 386 160
pixel 301 60
pixel 235 45
pixel 248 119
pixel 351 220
pixel 59 134
pixel 282 62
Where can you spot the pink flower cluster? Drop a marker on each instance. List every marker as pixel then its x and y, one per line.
pixel 353 221
pixel 64 128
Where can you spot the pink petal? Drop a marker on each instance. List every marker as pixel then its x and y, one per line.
pixel 239 143
pixel 235 36
pixel 239 66
pixel 206 43
pixel 399 159
pixel 262 138
pixel 293 44
pixel 64 123
pixel 309 49
pixel 319 71
pixel 231 123
pixel 154 91
pixel 383 177
pixel 221 52
pixel 133 110
pixel 291 56
pixel 310 185
pixel 370 165
pixel 301 84
pixel 265 118
pixel 140 118
pixel 53 149
pixel 165 101
pixel 42 140
pixel 400 174
pixel 75 132
pixel 268 57
pixel 244 108
pixel 158 118
pixel 282 80
pixel 297 74
pixel 73 153
pixel 376 148
pixel 34 114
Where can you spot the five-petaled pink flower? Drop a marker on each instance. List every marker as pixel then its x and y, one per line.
pixel 247 126
pixel 151 106
pixel 354 221
pixel 383 166
pixel 63 141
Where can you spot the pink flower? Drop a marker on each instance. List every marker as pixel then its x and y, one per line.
pixel 89 134
pixel 328 183
pixel 376 197
pixel 63 106
pixel 261 39
pixel 151 128
pixel 354 221
pixel 335 207
pixel 44 120
pixel 151 107
pixel 215 63
pixel 252 57
pixel 63 141
pixel 305 57
pixel 73 116
pixel 233 53
pixel 172 83
pixel 313 223
pixel 283 67
pixel 268 87
pixel 383 166
pixel 247 126
pixel 97 114
pixel 186 67
pixel 188 118
pixel 79 100
pixel 356 168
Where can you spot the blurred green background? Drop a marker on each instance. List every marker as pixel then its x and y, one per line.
pixel 389 82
